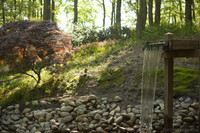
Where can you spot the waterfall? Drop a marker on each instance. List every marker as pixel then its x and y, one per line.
pixel 151 60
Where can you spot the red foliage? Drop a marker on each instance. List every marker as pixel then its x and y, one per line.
pixel 25 45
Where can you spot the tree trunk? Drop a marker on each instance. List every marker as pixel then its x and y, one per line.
pixel 104 14
pixel 193 10
pixel 53 10
pixel 118 18
pixel 141 18
pixel 113 13
pixel 75 11
pixel 180 6
pixel 137 7
pixel 47 13
pixel 157 12
pixel 15 9
pixel 33 10
pixel 188 12
pixel 41 10
pixel 29 10
pixel 3 12
pixel 150 12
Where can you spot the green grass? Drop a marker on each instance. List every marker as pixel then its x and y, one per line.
pixel 185 79
pixel 91 57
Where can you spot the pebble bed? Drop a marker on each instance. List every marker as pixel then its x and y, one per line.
pixel 90 114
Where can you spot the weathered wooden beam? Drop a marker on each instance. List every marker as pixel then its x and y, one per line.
pixel 168 101
pixel 183 44
pixel 181 53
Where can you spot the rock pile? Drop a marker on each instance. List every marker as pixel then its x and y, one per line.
pixel 89 114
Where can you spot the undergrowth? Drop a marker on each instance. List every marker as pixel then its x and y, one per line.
pixel 185 79
pixel 90 57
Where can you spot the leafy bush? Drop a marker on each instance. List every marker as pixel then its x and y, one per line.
pixel 87 35
pixel 156 33
pixel 33 46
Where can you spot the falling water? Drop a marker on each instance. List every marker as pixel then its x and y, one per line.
pixel 151 60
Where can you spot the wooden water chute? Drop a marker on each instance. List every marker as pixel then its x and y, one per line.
pixel 176 49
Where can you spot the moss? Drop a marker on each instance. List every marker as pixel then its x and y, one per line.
pixel 184 78
pixel 110 77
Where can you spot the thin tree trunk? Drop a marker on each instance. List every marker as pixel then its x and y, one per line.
pixel 41 10
pixel 193 10
pixel 15 9
pixel 20 9
pixel 118 18
pixel 75 11
pixel 141 18
pixel 53 10
pixel 33 10
pixel 47 13
pixel 150 12
pixel 180 6
pixel 104 14
pixel 157 12
pixel 137 7
pixel 29 10
pixel 3 12
pixel 113 12
pixel 188 12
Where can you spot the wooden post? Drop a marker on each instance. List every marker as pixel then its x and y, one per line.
pixel 168 101
pixel 199 95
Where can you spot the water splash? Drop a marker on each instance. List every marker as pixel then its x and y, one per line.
pixel 151 60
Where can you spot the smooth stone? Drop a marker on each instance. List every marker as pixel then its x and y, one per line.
pixel 35 103
pixel 14 117
pixel 91 97
pixel 185 105
pixel 97 117
pixel 112 112
pixel 188 119
pixel 117 110
pixel 41 119
pixel 70 103
pixel 38 114
pixel 48 116
pixel 63 114
pixel 66 108
pixel 110 120
pixel 195 105
pixel 99 130
pixel 80 109
pixel 26 110
pixel 43 102
pixel 91 126
pixel 187 100
pixel 117 99
pixel 119 119
pixel 181 99
pixel 67 119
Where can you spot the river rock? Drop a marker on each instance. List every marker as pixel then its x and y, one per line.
pixel 195 105
pixel 188 119
pixel 38 114
pixel 97 117
pixel 117 99
pixel 119 119
pixel 35 103
pixel 67 119
pixel 66 108
pixel 26 110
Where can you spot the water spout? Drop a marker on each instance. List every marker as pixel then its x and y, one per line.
pixel 152 55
